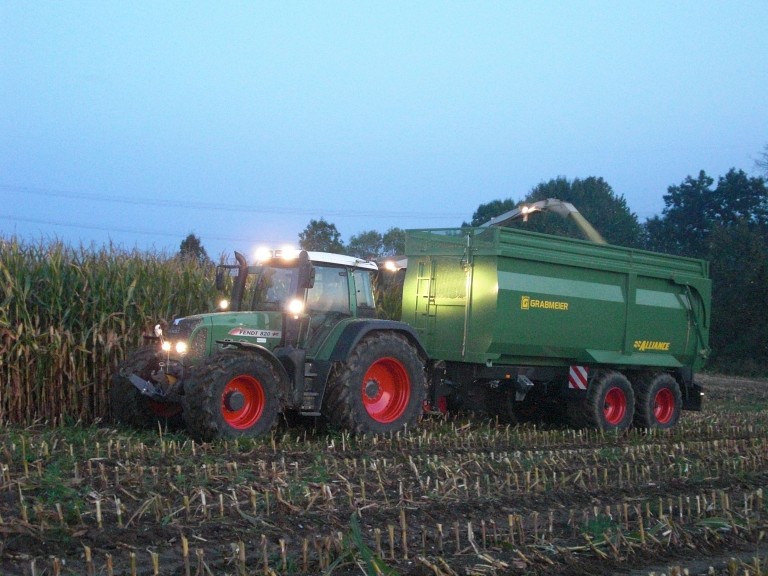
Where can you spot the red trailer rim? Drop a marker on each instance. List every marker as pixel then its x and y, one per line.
pixel 386 390
pixel 615 406
pixel 664 405
pixel 242 402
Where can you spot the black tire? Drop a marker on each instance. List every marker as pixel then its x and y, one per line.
pixel 131 407
pixel 231 394
pixel 658 401
pixel 609 404
pixel 381 388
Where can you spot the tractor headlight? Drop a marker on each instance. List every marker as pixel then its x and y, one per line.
pixel 224 304
pixel 180 347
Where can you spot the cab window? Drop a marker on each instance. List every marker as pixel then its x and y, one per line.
pixel 366 306
pixel 330 292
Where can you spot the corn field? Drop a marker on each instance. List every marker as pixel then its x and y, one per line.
pixel 68 315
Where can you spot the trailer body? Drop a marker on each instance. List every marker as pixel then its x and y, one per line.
pixel 494 303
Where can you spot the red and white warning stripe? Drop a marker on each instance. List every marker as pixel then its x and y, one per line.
pixel 577 378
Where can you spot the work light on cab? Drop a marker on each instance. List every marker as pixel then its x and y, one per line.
pixel 263 254
pixel 287 253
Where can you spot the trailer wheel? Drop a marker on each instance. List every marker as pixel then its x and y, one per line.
pixel 609 404
pixel 131 407
pixel 380 388
pixel 231 394
pixel 658 401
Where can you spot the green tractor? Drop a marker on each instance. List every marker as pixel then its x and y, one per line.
pixel 300 335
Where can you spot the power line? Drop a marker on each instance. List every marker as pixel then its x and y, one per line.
pixel 114 229
pixel 214 206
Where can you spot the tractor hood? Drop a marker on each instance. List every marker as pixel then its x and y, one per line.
pixel 203 334
pixel 262 328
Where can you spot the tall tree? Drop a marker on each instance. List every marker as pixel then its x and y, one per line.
pixel 393 242
pixel 365 245
pixel 726 224
pixel 192 248
pixel 321 236
pixel 694 208
pixel 739 326
pixel 686 221
pixel 490 210
pixel 371 244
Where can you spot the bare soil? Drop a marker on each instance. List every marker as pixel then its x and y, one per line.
pixel 456 496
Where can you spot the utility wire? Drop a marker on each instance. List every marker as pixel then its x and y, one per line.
pixel 114 229
pixel 214 206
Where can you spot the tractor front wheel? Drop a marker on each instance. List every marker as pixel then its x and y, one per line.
pixel 380 388
pixel 131 407
pixel 231 394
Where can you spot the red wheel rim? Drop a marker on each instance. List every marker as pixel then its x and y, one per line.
pixel 164 409
pixel 386 390
pixel 242 402
pixel 663 405
pixel 615 406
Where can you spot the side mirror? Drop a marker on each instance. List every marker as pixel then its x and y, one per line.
pixel 306 271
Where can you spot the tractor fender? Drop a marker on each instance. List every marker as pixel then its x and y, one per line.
pixel 338 346
pixel 356 330
pixel 284 383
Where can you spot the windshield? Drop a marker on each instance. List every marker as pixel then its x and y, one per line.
pixel 268 288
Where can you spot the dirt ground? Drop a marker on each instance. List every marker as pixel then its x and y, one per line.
pixel 456 496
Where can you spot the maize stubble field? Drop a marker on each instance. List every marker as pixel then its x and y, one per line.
pixel 455 496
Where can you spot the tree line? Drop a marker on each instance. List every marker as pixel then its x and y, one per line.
pixel 723 220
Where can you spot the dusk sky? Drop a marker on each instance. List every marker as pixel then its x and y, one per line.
pixel 137 122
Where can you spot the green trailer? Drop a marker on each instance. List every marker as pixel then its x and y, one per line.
pixel 516 321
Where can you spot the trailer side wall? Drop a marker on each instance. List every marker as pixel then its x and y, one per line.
pixel 499 296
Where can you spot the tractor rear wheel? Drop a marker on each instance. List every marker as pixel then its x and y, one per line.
pixel 658 401
pixel 231 394
pixel 381 388
pixel 131 407
pixel 609 404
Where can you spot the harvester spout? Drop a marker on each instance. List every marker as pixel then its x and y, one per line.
pixel 564 209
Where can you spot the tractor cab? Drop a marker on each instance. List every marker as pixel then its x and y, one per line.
pixel 310 290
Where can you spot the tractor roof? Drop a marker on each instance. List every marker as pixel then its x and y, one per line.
pixel 341 260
